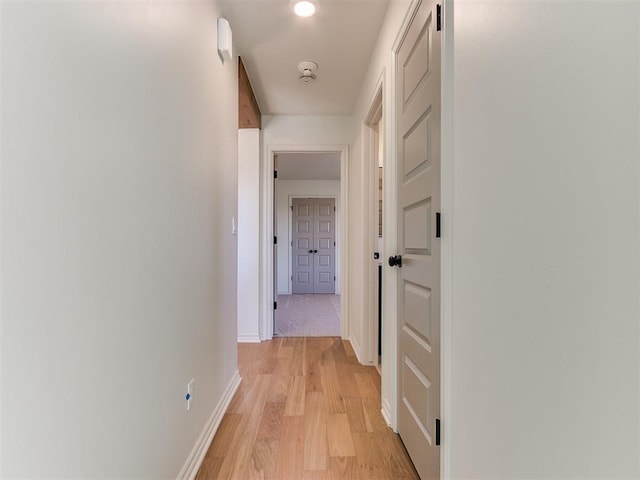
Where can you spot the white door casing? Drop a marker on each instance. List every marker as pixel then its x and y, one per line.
pixel 418 86
pixel 374 148
pixel 267 231
pixel 275 244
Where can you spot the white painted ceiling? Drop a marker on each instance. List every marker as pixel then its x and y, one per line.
pixel 308 166
pixel 272 41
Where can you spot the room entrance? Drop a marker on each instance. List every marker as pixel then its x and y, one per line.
pixel 307 215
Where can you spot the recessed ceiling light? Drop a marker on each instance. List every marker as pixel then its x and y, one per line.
pixel 304 8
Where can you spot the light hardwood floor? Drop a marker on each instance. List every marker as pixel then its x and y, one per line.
pixel 305 410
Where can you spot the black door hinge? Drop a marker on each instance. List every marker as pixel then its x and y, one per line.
pixel 275 240
pixel 437 432
pixel 275 305
pixel 438 17
pixel 275 174
pixel 438 227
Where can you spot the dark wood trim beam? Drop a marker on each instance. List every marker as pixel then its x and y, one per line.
pixel 249 115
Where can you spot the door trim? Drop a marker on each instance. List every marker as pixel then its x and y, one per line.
pixel 376 111
pixel 266 235
pixel 446 241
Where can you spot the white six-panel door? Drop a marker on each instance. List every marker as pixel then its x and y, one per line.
pixel 418 189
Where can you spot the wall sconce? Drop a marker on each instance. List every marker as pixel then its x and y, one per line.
pixel 225 40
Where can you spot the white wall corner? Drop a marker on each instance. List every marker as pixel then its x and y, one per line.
pixel 638 224
pixel 248 292
pixel 357 349
pixel 192 465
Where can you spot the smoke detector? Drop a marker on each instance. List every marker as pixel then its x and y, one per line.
pixel 307 70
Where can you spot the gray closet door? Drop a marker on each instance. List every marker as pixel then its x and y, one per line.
pixel 324 249
pixel 313 252
pixel 302 237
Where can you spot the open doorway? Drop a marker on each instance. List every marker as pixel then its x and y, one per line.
pixel 374 133
pixel 306 258
pixel 269 232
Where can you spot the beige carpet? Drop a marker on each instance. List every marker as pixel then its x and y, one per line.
pixel 308 315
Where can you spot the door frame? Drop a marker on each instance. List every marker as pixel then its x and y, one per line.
pixel 290 228
pixel 376 114
pixel 266 235
pixel 446 242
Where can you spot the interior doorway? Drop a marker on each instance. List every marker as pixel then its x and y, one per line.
pixel 307 194
pixel 374 125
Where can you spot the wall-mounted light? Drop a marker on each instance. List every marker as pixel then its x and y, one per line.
pixel 225 40
pixel 304 8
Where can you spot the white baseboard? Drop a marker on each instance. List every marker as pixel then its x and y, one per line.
pixel 357 350
pixel 385 409
pixel 248 338
pixel 192 465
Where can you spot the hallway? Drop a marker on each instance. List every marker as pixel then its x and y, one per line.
pixel 308 315
pixel 305 410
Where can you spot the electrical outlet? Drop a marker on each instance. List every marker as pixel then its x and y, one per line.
pixel 189 396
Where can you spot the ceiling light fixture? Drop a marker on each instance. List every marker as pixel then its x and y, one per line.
pixel 304 8
pixel 307 69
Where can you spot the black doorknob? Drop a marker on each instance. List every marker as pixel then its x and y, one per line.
pixel 395 261
pixel 310 251
pixel 315 251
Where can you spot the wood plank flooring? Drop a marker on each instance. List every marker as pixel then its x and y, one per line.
pixel 305 410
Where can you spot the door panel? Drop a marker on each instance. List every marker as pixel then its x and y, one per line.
pixel 324 243
pixel 418 191
pixel 302 221
pixel 313 254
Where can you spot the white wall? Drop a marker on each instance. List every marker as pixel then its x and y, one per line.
pixel 543 220
pixel 286 190
pixel 248 238
pixel 306 130
pixel 119 182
